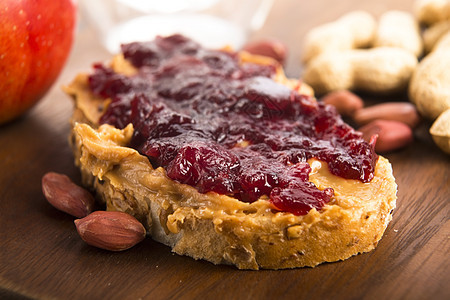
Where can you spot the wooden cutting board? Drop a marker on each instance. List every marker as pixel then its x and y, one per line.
pixel 41 255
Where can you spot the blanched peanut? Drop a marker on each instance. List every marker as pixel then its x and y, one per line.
pixel 397 111
pixel 381 70
pixel 346 102
pixel 392 135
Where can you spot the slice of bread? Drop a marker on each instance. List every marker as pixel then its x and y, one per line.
pixel 219 228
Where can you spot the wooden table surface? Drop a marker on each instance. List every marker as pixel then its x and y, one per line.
pixel 41 255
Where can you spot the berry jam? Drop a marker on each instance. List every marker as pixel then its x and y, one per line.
pixel 228 128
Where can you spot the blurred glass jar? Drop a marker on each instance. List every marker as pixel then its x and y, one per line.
pixel 213 23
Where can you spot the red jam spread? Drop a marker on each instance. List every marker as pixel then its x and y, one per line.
pixel 228 128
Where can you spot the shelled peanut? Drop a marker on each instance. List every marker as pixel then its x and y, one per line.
pixel 66 196
pixel 109 230
pixel 345 102
pixel 404 112
pixel 267 47
pixel 392 122
pixel 391 135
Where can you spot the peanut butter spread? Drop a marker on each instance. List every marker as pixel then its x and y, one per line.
pixel 353 222
pixel 221 228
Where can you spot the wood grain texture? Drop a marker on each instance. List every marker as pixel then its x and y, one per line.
pixel 42 257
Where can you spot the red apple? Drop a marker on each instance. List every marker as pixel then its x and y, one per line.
pixel 35 40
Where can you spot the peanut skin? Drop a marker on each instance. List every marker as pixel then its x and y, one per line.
pixel 346 102
pixel 392 135
pixel 396 111
pixel 66 196
pixel 110 230
pixel 268 47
